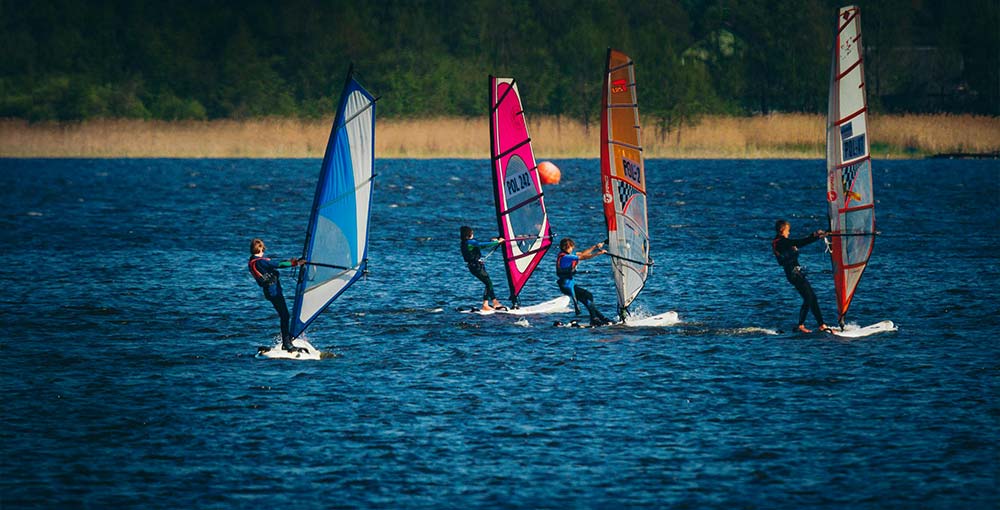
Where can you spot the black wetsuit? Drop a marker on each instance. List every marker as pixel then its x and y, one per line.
pixel 786 251
pixel 265 272
pixel 474 259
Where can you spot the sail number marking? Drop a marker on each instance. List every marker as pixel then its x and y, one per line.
pixel 854 147
pixel 517 183
pixel 632 170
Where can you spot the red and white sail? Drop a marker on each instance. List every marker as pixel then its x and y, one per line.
pixel 848 160
pixel 623 180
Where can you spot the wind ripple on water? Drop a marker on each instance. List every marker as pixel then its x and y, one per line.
pixel 129 330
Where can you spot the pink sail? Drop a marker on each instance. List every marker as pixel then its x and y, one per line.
pixel 517 188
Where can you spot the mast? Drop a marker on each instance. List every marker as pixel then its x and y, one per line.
pixel 623 180
pixel 517 187
pixel 850 198
pixel 336 243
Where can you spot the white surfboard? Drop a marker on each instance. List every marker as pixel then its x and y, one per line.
pixel 656 321
pixel 276 352
pixel 557 305
pixel 853 331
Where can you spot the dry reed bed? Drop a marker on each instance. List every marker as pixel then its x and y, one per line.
pixel 770 136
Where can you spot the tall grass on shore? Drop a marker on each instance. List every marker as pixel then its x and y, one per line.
pixel 770 136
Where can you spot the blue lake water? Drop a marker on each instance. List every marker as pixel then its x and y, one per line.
pixel 129 324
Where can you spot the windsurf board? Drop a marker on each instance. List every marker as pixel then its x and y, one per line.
pixel 557 305
pixel 853 331
pixel 308 352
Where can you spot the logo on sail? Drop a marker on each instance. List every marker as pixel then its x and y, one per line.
pixel 848 175
pixel 625 192
pixel 618 86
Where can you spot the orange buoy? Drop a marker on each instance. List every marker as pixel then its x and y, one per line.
pixel 549 173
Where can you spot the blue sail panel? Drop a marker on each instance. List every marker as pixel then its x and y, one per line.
pixel 336 248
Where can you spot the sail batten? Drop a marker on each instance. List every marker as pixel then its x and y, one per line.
pixel 850 192
pixel 517 187
pixel 336 246
pixel 623 180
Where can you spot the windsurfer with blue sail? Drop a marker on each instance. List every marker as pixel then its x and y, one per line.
pixel 265 273
pixel 566 270
pixel 335 251
pixel 473 255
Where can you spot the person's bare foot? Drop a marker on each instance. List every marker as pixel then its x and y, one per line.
pixel 803 329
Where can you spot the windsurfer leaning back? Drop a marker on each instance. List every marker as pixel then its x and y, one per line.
pixel 566 269
pixel 265 273
pixel 786 251
pixel 473 255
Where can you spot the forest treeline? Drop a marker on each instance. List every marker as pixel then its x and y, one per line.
pixel 72 60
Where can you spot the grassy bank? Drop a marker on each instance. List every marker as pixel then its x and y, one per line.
pixel 771 136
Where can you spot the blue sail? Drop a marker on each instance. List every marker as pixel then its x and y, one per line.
pixel 336 247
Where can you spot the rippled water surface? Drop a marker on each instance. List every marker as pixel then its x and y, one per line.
pixel 129 324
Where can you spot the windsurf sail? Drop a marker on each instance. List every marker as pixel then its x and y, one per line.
pixel 848 162
pixel 336 247
pixel 517 187
pixel 623 180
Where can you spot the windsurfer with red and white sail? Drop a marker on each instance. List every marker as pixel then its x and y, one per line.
pixel 786 251
pixel 566 269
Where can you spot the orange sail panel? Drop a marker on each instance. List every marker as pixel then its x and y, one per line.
pixel 848 162
pixel 623 180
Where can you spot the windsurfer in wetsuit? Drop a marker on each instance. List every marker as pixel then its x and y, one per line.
pixel 473 255
pixel 786 251
pixel 265 273
pixel 566 269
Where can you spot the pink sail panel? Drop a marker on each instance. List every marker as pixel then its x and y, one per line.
pixel 517 187
pixel 849 190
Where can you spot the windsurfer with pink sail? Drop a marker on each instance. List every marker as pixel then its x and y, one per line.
pixel 517 194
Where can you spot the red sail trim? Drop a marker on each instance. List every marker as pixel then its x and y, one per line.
pixel 628 181
pixel 853 161
pixel 848 21
pixel 858 208
pixel 851 116
pixel 855 266
pixel 849 69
